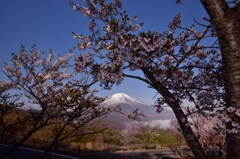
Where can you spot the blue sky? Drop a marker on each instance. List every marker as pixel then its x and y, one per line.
pixel 49 23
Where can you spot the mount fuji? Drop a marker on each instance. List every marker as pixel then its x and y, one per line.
pixel 129 104
pixel 122 98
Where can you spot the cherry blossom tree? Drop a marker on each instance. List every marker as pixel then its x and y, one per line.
pixel 208 130
pixel 49 85
pixel 128 134
pixel 145 130
pixel 173 62
pixel 224 17
pixel 176 131
pixel 9 105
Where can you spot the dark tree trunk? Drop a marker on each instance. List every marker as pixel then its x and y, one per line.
pixel 188 134
pixel 226 21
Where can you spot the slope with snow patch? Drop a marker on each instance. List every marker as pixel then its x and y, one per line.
pixel 122 98
pixel 129 104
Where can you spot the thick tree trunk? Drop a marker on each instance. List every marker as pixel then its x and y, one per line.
pixel 188 134
pixel 226 21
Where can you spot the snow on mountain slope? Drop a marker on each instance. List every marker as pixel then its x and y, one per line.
pixel 128 104
pixel 122 98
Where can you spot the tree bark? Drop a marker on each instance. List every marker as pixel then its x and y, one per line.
pixel 188 134
pixel 226 21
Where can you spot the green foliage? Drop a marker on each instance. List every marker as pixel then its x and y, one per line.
pixel 162 138
pixel 112 137
pixel 146 137
pixel 88 138
pixel 94 129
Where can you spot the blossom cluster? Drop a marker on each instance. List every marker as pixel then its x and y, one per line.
pixel 50 83
pixel 117 44
pixel 175 59
pixel 4 87
pixel 230 115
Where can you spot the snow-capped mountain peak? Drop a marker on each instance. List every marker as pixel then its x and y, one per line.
pixel 128 105
pixel 120 98
pixel 120 95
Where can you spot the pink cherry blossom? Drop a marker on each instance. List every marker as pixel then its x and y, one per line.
pixel 230 109
pixel 226 118
pixel 235 124
pixel 234 130
pixel 238 112
pixel 175 62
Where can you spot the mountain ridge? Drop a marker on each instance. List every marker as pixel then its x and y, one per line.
pixel 128 105
pixel 123 98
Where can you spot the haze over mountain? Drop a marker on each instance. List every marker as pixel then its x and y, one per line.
pixel 128 104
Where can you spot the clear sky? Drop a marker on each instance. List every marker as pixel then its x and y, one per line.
pixel 49 23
